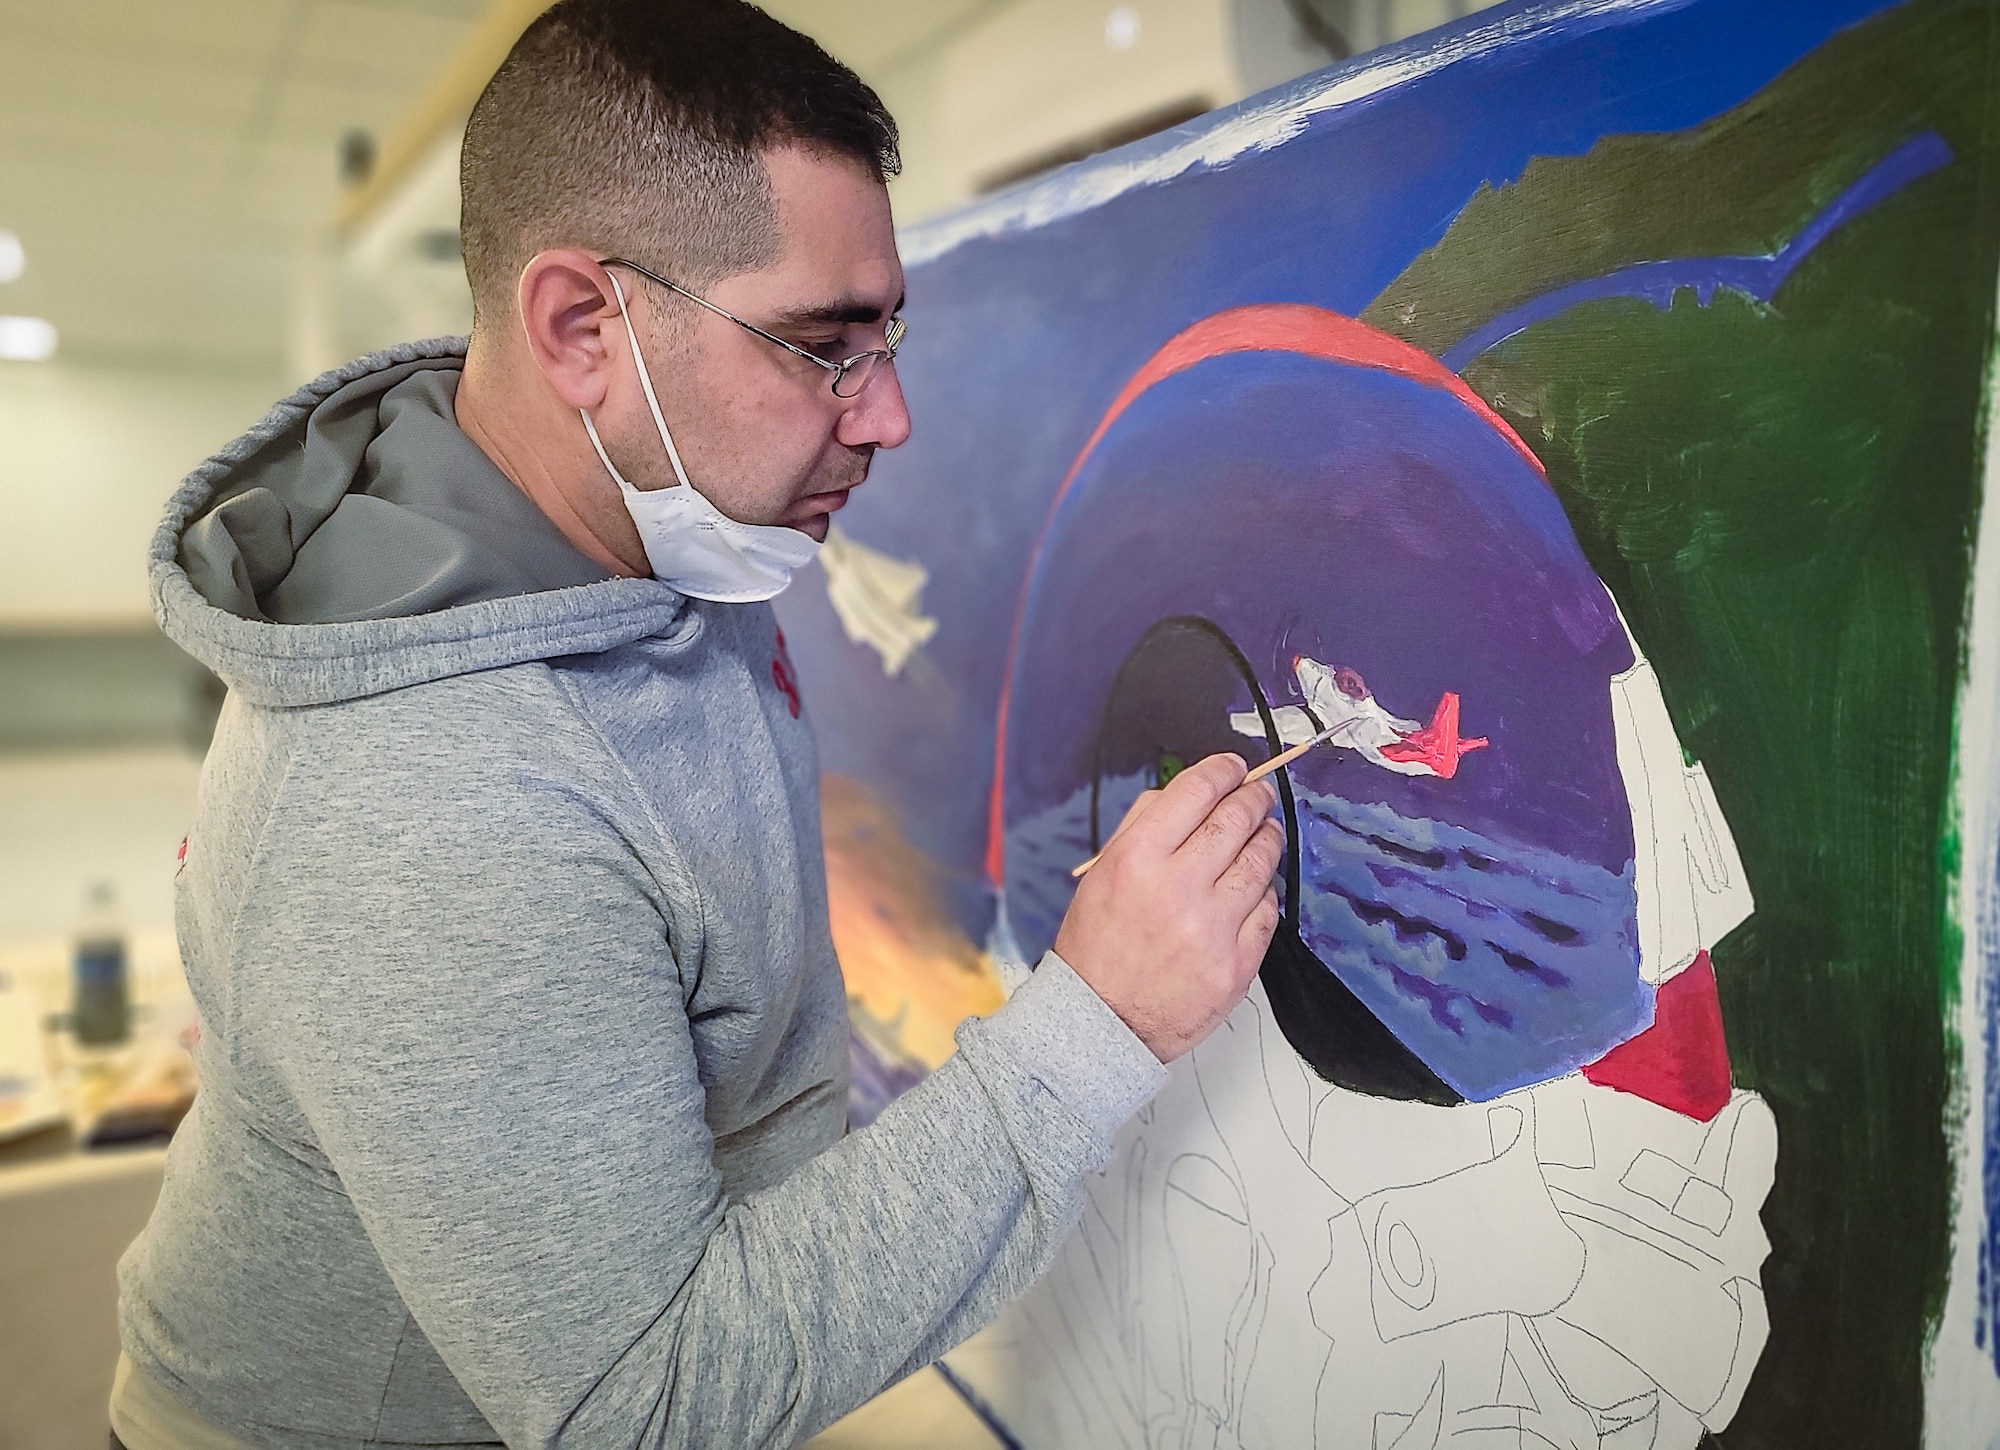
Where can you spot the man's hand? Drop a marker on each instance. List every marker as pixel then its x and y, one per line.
pixel 1171 923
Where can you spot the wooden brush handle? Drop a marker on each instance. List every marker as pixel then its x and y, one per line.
pixel 1256 772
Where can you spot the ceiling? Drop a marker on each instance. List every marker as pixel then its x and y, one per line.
pixel 877 37
pixel 161 159
pixel 165 162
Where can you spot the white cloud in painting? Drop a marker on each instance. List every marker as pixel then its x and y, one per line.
pixel 875 597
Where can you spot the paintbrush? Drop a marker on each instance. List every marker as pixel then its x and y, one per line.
pixel 1256 772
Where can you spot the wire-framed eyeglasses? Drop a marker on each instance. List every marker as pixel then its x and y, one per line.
pixel 850 375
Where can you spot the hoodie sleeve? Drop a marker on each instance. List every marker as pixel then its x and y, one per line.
pixel 485 1031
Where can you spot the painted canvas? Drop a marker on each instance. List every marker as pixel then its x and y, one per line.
pixel 1581 415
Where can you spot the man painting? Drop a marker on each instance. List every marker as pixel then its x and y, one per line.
pixel 524 1050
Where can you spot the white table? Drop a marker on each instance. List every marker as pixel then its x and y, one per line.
pixel 65 1214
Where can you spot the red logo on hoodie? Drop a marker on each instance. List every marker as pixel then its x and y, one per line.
pixel 783 678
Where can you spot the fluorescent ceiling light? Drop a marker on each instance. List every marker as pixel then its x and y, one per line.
pixel 12 258
pixel 27 339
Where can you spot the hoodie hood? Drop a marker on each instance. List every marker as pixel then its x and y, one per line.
pixel 356 541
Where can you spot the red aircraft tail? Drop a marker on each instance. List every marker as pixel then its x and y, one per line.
pixel 1438 745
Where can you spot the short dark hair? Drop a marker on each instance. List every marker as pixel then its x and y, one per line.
pixel 638 126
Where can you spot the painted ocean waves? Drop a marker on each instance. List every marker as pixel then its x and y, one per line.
pixel 1500 965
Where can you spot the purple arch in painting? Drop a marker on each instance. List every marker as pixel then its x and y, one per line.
pixel 1322 490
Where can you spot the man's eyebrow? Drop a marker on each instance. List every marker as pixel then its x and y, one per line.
pixel 841 309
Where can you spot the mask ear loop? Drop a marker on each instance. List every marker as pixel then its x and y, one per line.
pixel 603 457
pixel 645 383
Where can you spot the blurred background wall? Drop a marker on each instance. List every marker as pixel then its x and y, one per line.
pixel 204 203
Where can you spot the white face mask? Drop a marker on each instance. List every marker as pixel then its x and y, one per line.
pixel 691 543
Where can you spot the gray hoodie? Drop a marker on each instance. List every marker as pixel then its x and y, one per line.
pixel 524 1047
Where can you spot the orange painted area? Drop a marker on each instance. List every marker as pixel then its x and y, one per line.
pixel 907 964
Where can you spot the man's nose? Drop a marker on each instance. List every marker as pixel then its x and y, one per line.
pixel 879 416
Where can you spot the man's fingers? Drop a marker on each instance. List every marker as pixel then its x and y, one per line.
pixel 1261 924
pixel 1186 801
pixel 1155 932
pixel 1250 872
pixel 1220 839
pixel 1138 809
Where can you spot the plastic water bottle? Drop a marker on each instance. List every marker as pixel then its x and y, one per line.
pixel 101 1014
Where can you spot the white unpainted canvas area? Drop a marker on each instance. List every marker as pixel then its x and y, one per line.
pixel 1691 886
pixel 1962 1392
pixel 1270 1261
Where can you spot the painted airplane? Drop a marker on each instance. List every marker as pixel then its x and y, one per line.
pixel 1337 699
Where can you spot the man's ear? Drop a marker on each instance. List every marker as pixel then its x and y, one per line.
pixel 569 314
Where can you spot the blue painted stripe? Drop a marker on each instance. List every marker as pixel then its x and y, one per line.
pixel 976 1402
pixel 1756 277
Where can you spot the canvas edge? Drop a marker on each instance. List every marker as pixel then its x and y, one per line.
pixel 1962 1389
pixel 1262 121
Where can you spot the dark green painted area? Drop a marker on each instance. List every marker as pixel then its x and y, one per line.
pixel 1742 185
pixel 1782 500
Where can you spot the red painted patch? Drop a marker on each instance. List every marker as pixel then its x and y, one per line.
pixel 1438 745
pixel 181 856
pixel 783 678
pixel 1680 1062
